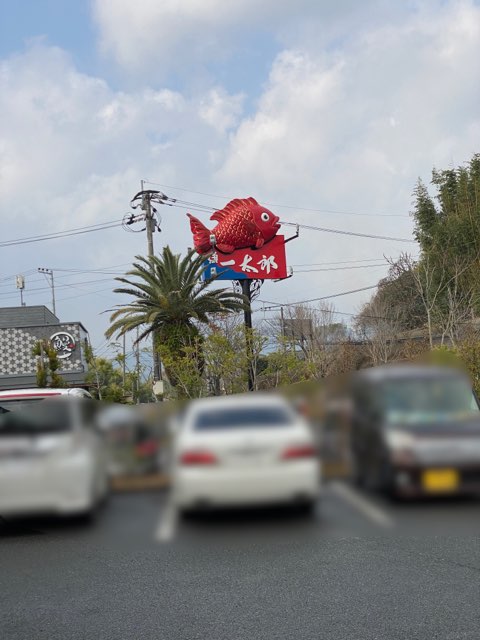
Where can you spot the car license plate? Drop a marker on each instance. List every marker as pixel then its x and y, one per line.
pixel 440 480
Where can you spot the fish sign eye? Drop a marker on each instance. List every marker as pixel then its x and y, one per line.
pixel 265 217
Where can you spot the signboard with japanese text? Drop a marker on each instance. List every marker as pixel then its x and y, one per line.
pixel 266 263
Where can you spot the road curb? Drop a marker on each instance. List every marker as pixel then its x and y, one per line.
pixel 124 484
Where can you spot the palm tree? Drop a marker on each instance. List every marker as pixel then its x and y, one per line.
pixel 170 301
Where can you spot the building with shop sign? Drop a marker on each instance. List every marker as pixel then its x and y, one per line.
pixel 20 330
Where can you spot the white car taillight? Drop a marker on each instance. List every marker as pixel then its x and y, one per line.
pixel 197 457
pixel 296 452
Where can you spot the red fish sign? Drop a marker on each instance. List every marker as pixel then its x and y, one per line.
pixel 241 224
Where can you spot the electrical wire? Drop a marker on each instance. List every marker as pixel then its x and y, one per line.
pixel 276 305
pixel 61 234
pixel 321 264
pixel 333 312
pixel 88 293
pixel 68 273
pixel 99 270
pixel 345 233
pixel 60 286
pixel 11 277
pixel 284 206
pixel 361 266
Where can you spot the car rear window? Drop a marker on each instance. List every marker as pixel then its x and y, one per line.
pixel 242 418
pixel 18 404
pixel 36 418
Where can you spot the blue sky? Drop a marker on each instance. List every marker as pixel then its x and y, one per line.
pixel 66 24
pixel 70 26
pixel 311 104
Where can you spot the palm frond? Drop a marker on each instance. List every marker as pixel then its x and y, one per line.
pixel 167 290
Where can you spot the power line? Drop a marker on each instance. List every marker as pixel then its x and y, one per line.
pixel 285 206
pixel 321 264
pixel 88 293
pixel 62 285
pixel 68 274
pixel 345 233
pixel 361 266
pixel 13 275
pixel 61 234
pixel 276 305
pixel 99 270
pixel 334 312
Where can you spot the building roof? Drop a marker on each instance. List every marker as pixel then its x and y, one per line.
pixel 34 316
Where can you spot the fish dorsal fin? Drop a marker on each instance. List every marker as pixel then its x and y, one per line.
pixel 219 215
pixel 232 207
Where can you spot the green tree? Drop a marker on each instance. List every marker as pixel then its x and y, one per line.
pixel 447 228
pixel 170 301
pixel 440 290
pixel 284 367
pixel 47 365
pixel 106 379
pixel 185 376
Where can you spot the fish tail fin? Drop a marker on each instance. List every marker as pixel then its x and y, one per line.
pixel 201 235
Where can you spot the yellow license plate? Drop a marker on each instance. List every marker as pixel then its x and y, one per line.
pixel 440 480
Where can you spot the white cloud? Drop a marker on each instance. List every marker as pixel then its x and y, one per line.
pixel 148 32
pixel 148 36
pixel 220 110
pixel 61 127
pixel 352 126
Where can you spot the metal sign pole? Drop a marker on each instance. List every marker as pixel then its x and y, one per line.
pixel 247 314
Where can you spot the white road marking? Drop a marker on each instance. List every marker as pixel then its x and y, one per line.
pixel 167 525
pixel 361 504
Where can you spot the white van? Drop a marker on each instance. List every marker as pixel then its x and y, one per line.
pixel 52 456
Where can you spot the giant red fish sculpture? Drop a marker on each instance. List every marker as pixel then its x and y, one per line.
pixel 242 223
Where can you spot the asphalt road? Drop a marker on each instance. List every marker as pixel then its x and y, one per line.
pixel 360 568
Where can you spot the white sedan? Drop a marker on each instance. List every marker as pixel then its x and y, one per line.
pixel 52 458
pixel 244 450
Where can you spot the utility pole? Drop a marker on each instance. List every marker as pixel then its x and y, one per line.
pixel 144 199
pixel 137 358
pixel 150 226
pixel 247 316
pixel 123 366
pixel 20 282
pixel 147 207
pixel 282 328
pixel 94 365
pixel 49 272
